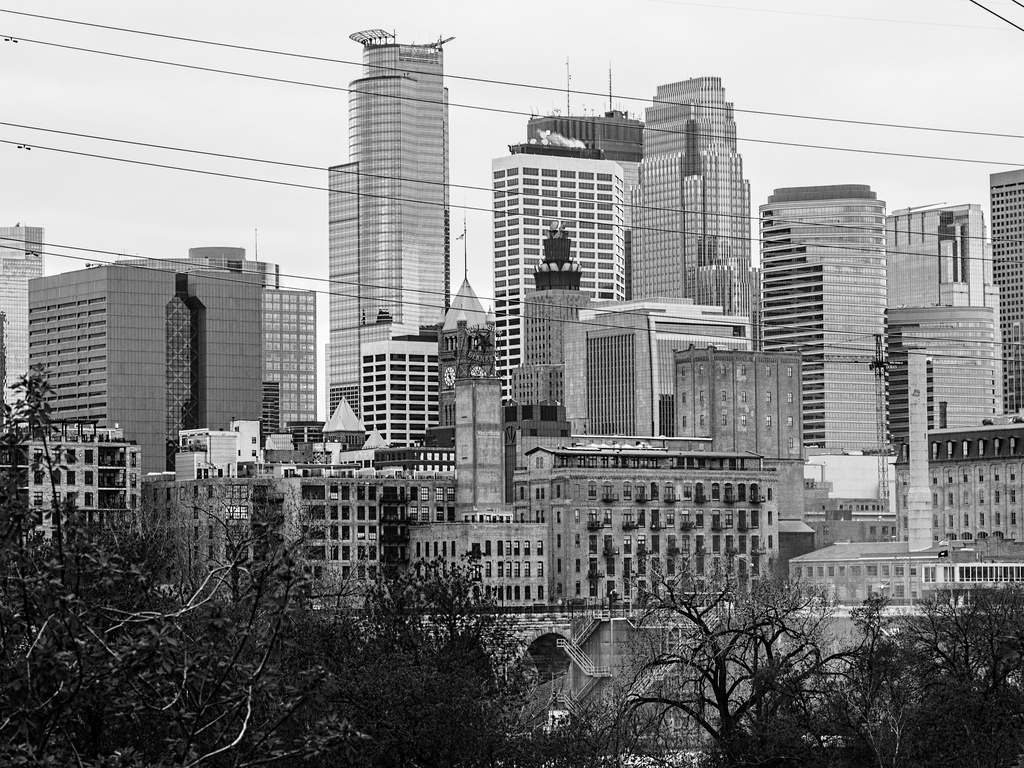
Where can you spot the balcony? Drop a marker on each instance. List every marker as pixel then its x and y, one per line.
pixel 628 525
pixel 755 497
pixel 716 525
pixel 641 498
pixel 670 499
pixel 611 552
pixel 686 525
pixel 657 526
pixel 609 498
pixel 595 575
pixel 729 498
pixel 741 527
pixel 700 498
pixel 594 524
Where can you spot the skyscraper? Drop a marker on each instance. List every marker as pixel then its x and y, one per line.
pixel 691 215
pixel 942 300
pixel 151 351
pixel 288 317
pixel 21 259
pixel 534 187
pixel 823 289
pixel 388 205
pixel 618 137
pixel 547 312
pixel 1007 199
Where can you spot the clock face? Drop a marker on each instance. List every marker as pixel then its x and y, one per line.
pixel 449 376
pixel 476 370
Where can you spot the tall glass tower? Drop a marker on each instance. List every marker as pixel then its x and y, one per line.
pixel 388 206
pixel 823 293
pixel 691 225
pixel 21 259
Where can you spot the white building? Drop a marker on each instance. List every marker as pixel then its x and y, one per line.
pixel 533 187
pixel 21 259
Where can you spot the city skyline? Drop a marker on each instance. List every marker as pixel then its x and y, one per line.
pixel 52 192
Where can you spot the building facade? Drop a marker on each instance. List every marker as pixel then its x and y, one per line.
pixel 149 351
pixel 620 364
pixel 823 294
pixel 21 259
pixel 547 312
pixel 691 214
pixel 622 517
pixel 1006 192
pixel 93 469
pixel 535 187
pixel 388 205
pixel 964 376
pixel 289 329
pixel 400 385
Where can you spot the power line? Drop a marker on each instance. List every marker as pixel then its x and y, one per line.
pixel 219 273
pixel 514 84
pixel 845 248
pixel 1003 18
pixel 287 81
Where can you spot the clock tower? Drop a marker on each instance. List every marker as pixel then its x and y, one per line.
pixel 465 351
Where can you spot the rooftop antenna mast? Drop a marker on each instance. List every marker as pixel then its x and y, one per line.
pixel 465 248
pixel 568 80
pixel 256 245
pixel 609 86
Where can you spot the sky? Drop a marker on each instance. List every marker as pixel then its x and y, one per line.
pixel 929 63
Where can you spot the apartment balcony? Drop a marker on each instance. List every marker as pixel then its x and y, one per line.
pixel 755 498
pixel 594 525
pixel 610 552
pixel 595 575
pixel 716 525
pixel 609 498
pixel 742 527
pixel 629 525
pixel 729 498
pixel 657 526
pixel 687 525
pixel 700 498
pixel 670 499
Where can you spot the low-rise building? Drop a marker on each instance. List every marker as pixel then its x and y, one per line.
pixel 620 513
pixel 93 468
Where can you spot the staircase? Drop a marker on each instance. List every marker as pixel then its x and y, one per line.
pixel 582 660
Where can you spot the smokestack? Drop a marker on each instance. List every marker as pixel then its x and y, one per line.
pixel 919 497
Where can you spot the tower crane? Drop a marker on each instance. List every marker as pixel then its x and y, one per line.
pixel 880 365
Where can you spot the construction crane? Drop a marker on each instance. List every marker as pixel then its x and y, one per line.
pixel 880 365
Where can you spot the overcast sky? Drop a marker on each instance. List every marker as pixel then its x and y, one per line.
pixel 931 63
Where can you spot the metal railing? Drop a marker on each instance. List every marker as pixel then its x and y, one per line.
pixel 582 660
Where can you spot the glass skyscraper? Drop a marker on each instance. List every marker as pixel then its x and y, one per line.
pixel 823 291
pixel 1007 198
pixel 21 259
pixel 691 214
pixel 388 206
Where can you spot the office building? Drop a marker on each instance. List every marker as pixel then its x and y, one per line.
pixel 938 256
pixel 21 259
pixel 1007 205
pixel 149 351
pixel 289 329
pixel 964 378
pixel 620 362
pixel 399 385
pixel 618 137
pixel 691 215
pixel 547 312
pixel 537 186
pixel 823 289
pixel 388 205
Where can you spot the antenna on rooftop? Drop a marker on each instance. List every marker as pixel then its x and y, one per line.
pixel 256 245
pixel 568 79
pixel 609 86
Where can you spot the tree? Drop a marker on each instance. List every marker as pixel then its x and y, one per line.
pixel 741 666
pixel 102 665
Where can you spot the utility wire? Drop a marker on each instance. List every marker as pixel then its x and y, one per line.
pixel 510 83
pixel 287 81
pixel 431 182
pixel 844 248
pixel 1003 18
pixel 220 274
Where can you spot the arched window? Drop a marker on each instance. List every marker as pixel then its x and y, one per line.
pixel 716 492
pixel 741 492
pixel 967 535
